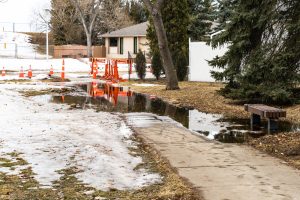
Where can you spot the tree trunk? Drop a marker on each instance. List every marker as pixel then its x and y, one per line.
pixel 89 45
pixel 171 75
pixel 88 24
pixel 170 71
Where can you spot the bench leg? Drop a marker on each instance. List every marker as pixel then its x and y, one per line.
pixel 272 125
pixel 255 120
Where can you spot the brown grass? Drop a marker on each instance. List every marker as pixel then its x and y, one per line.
pixel 285 146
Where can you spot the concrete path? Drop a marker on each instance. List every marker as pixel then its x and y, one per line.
pixel 219 171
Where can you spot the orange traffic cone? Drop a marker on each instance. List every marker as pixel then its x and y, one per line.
pixel 116 71
pixel 3 72
pixel 21 74
pixel 95 70
pixel 63 70
pixel 106 71
pixel 95 86
pixel 51 71
pixel 115 95
pixel 109 72
pixel 30 72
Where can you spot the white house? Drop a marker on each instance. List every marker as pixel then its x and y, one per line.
pixel 127 41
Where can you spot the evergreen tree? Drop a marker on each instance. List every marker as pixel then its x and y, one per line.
pixel 225 9
pixel 136 11
pixel 202 14
pixel 157 67
pixel 140 65
pixel 262 62
pixel 176 20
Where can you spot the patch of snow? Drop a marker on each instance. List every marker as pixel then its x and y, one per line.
pixel 134 75
pixel 18 44
pixel 11 78
pixel 53 138
pixel 40 77
pixel 71 65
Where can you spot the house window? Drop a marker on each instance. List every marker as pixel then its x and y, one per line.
pixel 113 42
pixel 121 46
pixel 135 45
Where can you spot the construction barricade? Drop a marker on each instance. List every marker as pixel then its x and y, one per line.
pixel 111 71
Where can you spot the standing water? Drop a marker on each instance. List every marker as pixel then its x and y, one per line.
pixel 108 98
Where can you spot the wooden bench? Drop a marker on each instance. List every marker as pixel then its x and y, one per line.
pixel 259 111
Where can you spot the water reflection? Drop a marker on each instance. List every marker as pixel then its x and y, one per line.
pixel 110 98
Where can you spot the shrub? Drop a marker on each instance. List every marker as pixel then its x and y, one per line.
pixel 181 65
pixel 140 65
pixel 157 67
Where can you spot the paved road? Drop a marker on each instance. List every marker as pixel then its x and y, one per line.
pixel 219 171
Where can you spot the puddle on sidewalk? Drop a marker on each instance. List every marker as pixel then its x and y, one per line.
pixel 107 98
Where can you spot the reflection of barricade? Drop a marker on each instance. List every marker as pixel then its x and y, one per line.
pixel 111 68
pixel 108 91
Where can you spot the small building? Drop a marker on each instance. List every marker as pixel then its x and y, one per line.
pixel 126 42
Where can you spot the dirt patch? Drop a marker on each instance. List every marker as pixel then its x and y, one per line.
pixel 284 145
pixel 31 93
pixel 55 80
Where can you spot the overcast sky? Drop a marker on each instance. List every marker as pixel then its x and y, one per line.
pixel 20 11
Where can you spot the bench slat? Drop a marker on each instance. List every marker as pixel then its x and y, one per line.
pixel 265 111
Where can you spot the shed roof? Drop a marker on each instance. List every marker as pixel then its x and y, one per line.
pixel 135 30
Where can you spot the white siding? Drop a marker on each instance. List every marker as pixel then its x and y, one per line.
pixel 128 46
pixel 200 53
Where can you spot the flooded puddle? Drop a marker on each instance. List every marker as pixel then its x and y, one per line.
pixel 107 98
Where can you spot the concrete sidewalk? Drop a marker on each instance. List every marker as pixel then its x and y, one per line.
pixel 219 171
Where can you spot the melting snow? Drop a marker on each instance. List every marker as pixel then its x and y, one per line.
pixel 53 138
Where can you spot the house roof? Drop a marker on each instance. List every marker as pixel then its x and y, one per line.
pixel 135 30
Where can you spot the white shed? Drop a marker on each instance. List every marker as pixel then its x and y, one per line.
pixel 199 54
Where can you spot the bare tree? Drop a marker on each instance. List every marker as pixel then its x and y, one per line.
pixel 88 11
pixel 113 16
pixel 171 75
pixel 65 24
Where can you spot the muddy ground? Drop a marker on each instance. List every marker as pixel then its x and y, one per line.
pixel 205 98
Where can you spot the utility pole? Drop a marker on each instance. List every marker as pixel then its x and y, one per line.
pixel 47 41
pixel 47 35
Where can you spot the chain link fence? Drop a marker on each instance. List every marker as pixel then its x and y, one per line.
pixel 24 40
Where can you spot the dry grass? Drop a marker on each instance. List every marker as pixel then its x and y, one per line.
pixel 293 113
pixel 285 146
